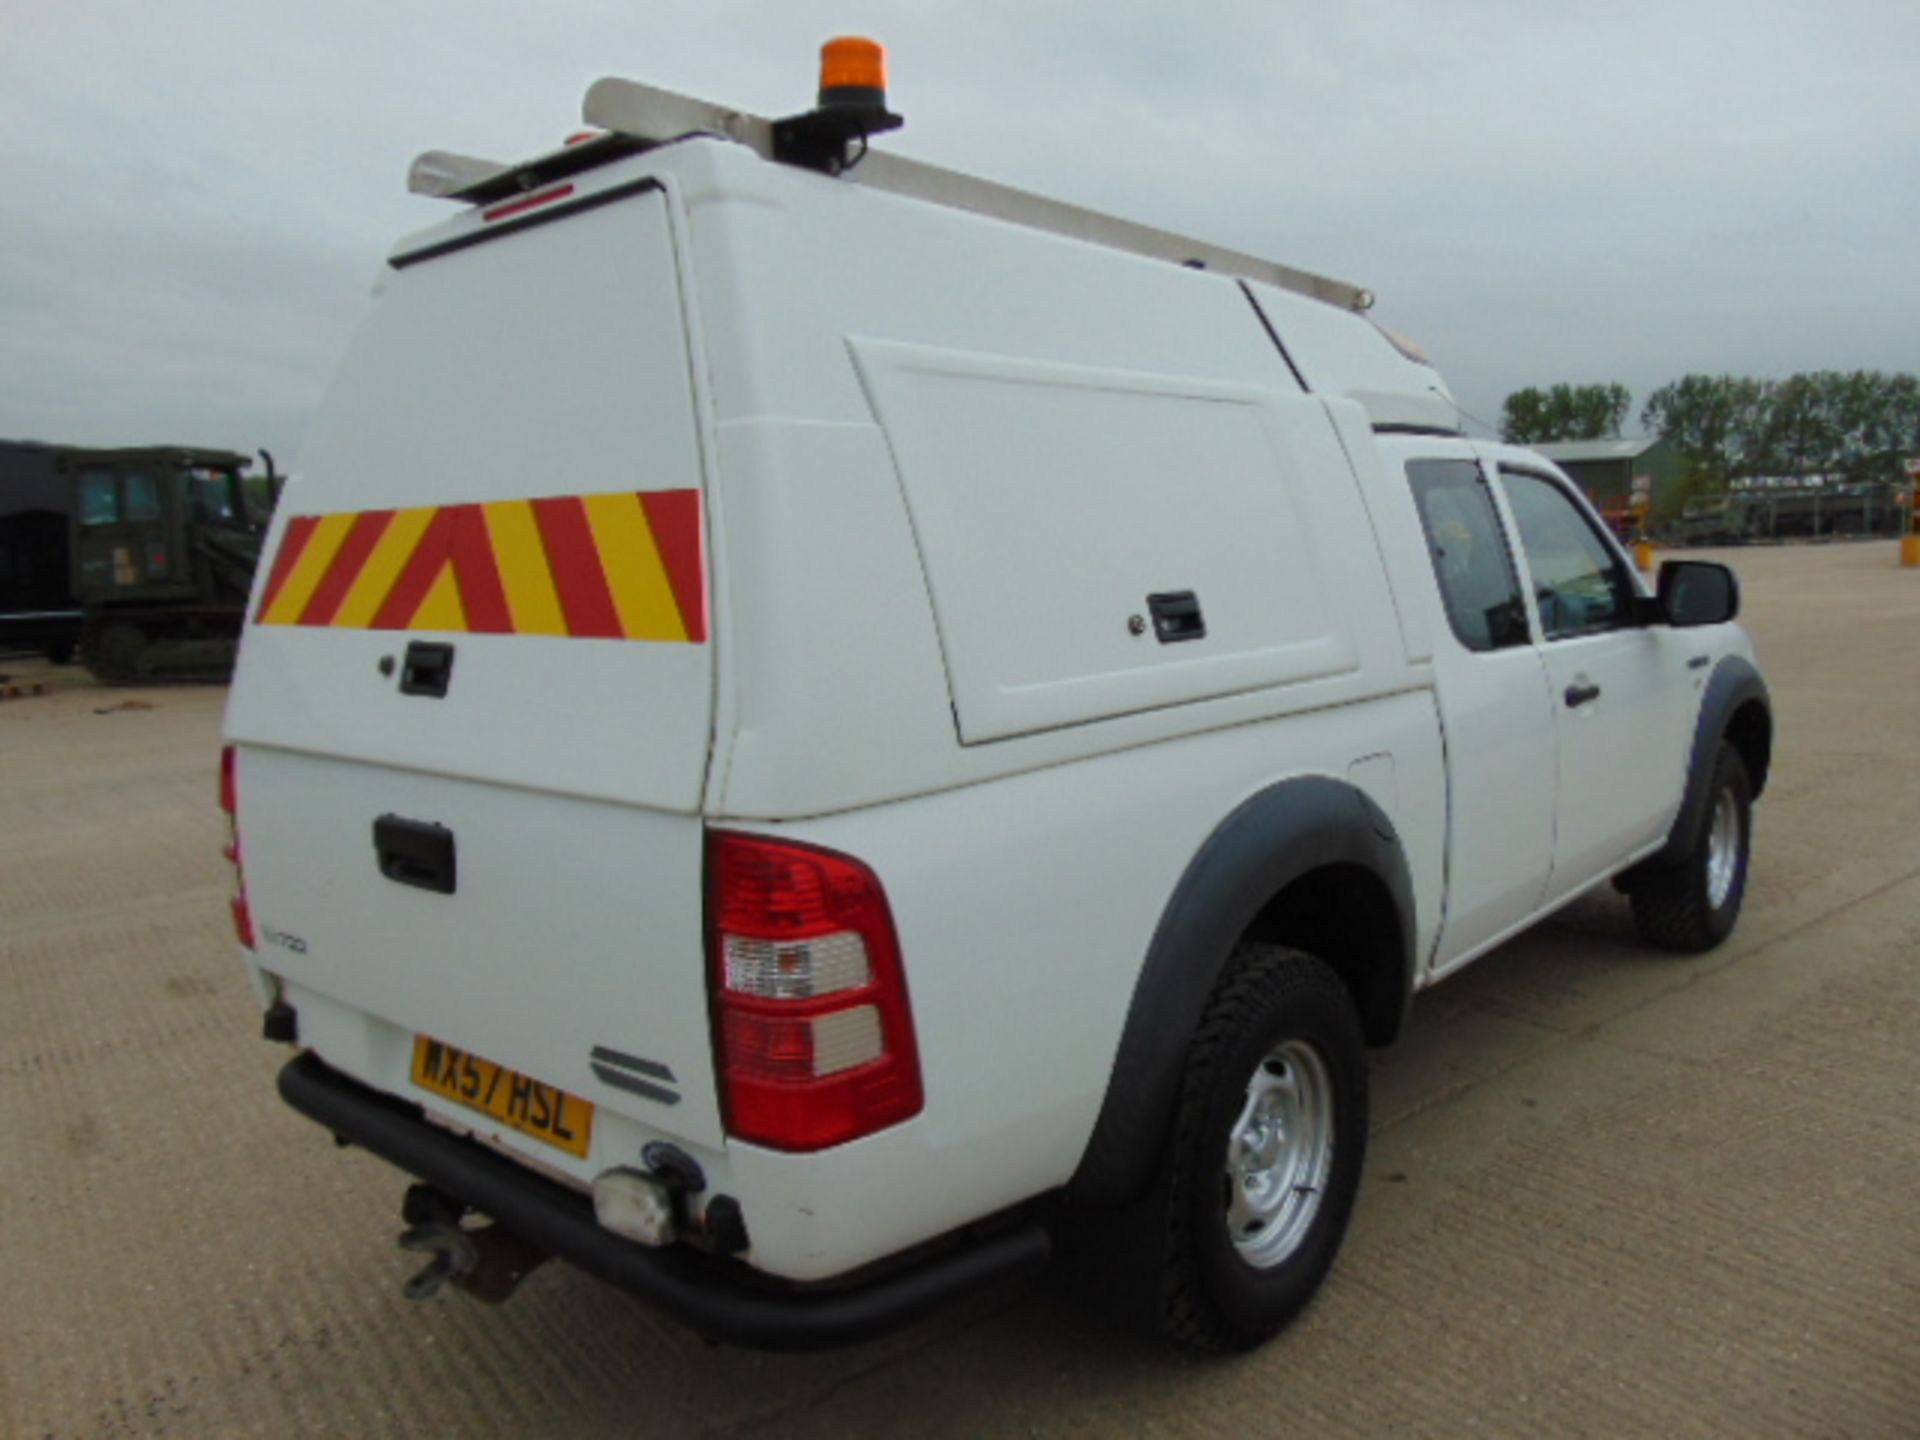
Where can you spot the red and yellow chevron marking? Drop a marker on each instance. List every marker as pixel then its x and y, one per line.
pixel 625 566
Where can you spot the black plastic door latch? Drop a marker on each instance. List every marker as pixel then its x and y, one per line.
pixel 1176 616
pixel 428 668
pixel 415 852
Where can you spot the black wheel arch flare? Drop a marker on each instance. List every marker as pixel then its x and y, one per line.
pixel 1735 707
pixel 1274 838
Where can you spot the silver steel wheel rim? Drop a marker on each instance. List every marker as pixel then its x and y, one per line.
pixel 1723 850
pixel 1279 1154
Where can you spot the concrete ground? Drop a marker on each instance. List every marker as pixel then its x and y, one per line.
pixel 1611 1192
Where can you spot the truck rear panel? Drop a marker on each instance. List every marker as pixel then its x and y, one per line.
pixel 474 707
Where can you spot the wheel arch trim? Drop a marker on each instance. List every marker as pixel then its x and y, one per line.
pixel 1734 685
pixel 1276 837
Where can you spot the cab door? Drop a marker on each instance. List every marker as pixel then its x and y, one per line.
pixel 1495 707
pixel 120 546
pixel 1618 686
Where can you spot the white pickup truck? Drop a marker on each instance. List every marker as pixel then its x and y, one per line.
pixel 813 727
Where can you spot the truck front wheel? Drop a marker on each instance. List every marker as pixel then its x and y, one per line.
pixel 1691 906
pixel 1267 1149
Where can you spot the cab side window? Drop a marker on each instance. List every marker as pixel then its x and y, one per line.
pixel 143 496
pixel 99 498
pixel 213 497
pixel 1579 584
pixel 1470 560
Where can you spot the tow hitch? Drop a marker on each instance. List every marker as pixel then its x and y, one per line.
pixel 486 1261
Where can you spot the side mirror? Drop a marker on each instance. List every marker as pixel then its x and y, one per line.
pixel 1697 592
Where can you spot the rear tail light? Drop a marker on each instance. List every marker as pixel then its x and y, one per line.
pixel 815 1035
pixel 230 803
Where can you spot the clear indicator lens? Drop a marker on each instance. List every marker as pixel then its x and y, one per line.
pixel 796 969
pixel 846 1039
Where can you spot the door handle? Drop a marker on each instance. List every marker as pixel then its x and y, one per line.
pixel 1578 695
pixel 1176 616
pixel 415 852
pixel 428 669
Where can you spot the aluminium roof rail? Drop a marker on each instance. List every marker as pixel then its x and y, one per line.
pixel 640 117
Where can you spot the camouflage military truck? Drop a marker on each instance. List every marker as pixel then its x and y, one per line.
pixel 164 541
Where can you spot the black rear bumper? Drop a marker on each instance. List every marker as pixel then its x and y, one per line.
pixel 721 1299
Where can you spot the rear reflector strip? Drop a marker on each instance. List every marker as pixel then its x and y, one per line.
pixel 624 566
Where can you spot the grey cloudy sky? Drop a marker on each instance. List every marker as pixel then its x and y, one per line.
pixel 195 196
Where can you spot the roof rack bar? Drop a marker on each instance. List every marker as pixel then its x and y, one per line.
pixel 652 116
pixel 639 117
pixel 884 171
pixel 444 175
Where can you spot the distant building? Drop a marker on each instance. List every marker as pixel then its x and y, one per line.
pixel 1605 470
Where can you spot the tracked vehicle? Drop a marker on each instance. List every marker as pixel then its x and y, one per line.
pixel 164 541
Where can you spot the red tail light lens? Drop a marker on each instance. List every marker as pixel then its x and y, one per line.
pixel 230 803
pixel 815 1035
pixel 242 919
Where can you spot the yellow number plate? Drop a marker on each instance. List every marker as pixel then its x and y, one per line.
pixel 542 1111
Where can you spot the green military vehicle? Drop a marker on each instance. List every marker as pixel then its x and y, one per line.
pixel 164 541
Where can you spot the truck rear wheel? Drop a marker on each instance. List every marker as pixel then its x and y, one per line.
pixel 1266 1153
pixel 112 650
pixel 1692 906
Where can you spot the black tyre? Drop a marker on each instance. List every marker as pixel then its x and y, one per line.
pixel 113 649
pixel 1692 906
pixel 1266 1152
pixel 60 652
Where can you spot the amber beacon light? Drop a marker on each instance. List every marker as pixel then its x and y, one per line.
pixel 852 105
pixel 853 71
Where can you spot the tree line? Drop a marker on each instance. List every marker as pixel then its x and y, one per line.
pixel 1852 425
